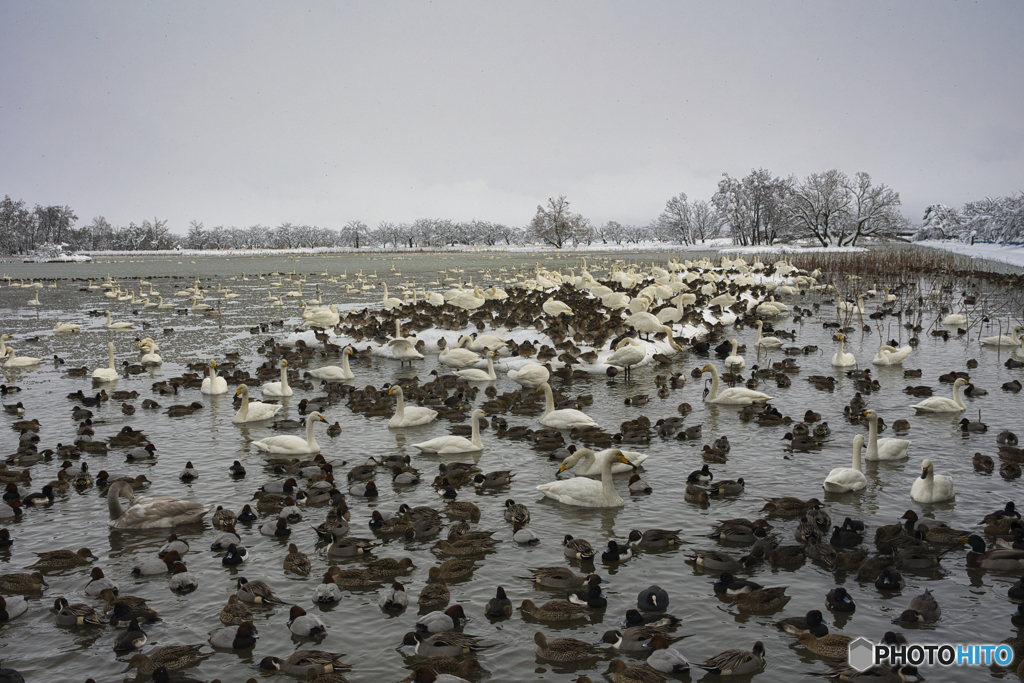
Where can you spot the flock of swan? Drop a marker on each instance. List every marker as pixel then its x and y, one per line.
pixel 589 326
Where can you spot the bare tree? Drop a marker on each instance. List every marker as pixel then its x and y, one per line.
pixel 819 206
pixel 556 225
pixel 707 221
pixel 754 207
pixel 873 209
pixel 676 221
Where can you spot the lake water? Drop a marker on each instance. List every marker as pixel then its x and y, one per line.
pixel 975 608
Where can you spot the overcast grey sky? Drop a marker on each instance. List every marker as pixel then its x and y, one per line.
pixel 237 113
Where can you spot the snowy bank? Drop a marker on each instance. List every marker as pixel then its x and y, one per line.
pixel 1000 253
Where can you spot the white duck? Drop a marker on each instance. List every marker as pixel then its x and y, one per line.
pixel 109 373
pixel 628 352
pixel 408 416
pixel 530 375
pixel 931 488
pixel 281 388
pixel 214 385
pixel 62 328
pixel 735 396
pixel 253 411
pixel 332 373
pixel 841 359
pixel 734 361
pixel 583 491
pixel 15 361
pixel 450 444
pixel 478 375
pixel 567 418
pixel 883 449
pixel 116 326
pixel 150 513
pixel 941 404
pixel 890 355
pixel 765 341
pixel 847 479
pixel 293 445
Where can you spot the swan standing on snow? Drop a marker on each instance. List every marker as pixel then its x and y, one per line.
pixel 214 385
pixel 411 416
pixel 281 388
pixel 941 404
pixel 734 361
pixel 883 449
pixel 14 361
pixel 555 308
pixel 847 479
pixel 450 444
pixel 584 492
pixel 253 411
pixel 332 373
pixel 628 352
pixel 765 341
pixel 116 326
pixel 841 359
pixel 478 375
pixel 150 513
pixel 890 355
pixel 566 418
pixel 529 375
pixel 929 487
pixel 109 373
pixel 735 396
pixel 293 445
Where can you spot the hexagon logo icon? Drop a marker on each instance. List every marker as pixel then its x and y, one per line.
pixel 861 654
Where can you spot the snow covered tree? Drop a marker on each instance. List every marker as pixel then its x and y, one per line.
pixel 556 225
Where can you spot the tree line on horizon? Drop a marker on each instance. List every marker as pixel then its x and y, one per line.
pixel 828 209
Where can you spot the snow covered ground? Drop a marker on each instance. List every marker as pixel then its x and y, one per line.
pixel 1000 253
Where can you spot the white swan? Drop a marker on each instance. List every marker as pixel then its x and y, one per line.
pixel 332 373
pixel 589 467
pixel 162 304
pixel 62 328
pixel 408 416
pixel 214 385
pixel 403 348
pixel 628 352
pixel 253 411
pixel 390 302
pixel 116 326
pixel 890 355
pixel 150 357
pixel 280 388
pixel 941 404
pixel 566 418
pixel 841 359
pixel 847 479
pixel 1019 351
pixel 555 308
pixel 929 487
pixel 734 361
pixel 765 341
pixel 109 373
pixel 735 396
pixel 450 444
pixel 14 361
pixel 1003 339
pixel 319 317
pixel 33 302
pixel 150 513
pixel 529 375
pixel 478 375
pixel 955 320
pixel 293 445
pixel 458 357
pixel 583 491
pixel 883 449
pixel 646 323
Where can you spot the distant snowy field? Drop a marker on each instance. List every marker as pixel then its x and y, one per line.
pixel 1000 253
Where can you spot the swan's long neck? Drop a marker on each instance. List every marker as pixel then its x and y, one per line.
pixel 607 487
pixel 758 340
pixel 736 346
pixel 398 328
pixel 873 436
pixel 956 397
pixel 110 355
pixel 840 348
pixel 400 405
pixel 475 436
pixel 284 377
pixel 344 362
pixel 385 290
pixel 114 503
pixel 857 445
pixel 549 398
pixel 244 408
pixel 310 439
pixel 714 383
pixel 490 368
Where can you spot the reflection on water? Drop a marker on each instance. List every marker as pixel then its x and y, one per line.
pixel 974 603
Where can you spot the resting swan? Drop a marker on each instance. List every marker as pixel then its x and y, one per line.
pixel 478 375
pixel 15 361
pixel 889 355
pixel 841 359
pixel 150 513
pixel 584 492
pixel 847 479
pixel 735 396
pixel 281 388
pixel 941 404
pixel 61 328
pixel 456 444
pixel 293 445
pixel 253 411
pixel 929 487
pixel 765 341
pixel 332 373
pixel 883 449
pixel 530 375
pixel 1003 339
pixel 734 361
pixel 109 373
pixel 213 384
pixel 566 418
pixel 458 357
pixel 411 416
pixel 116 326
pixel 588 466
